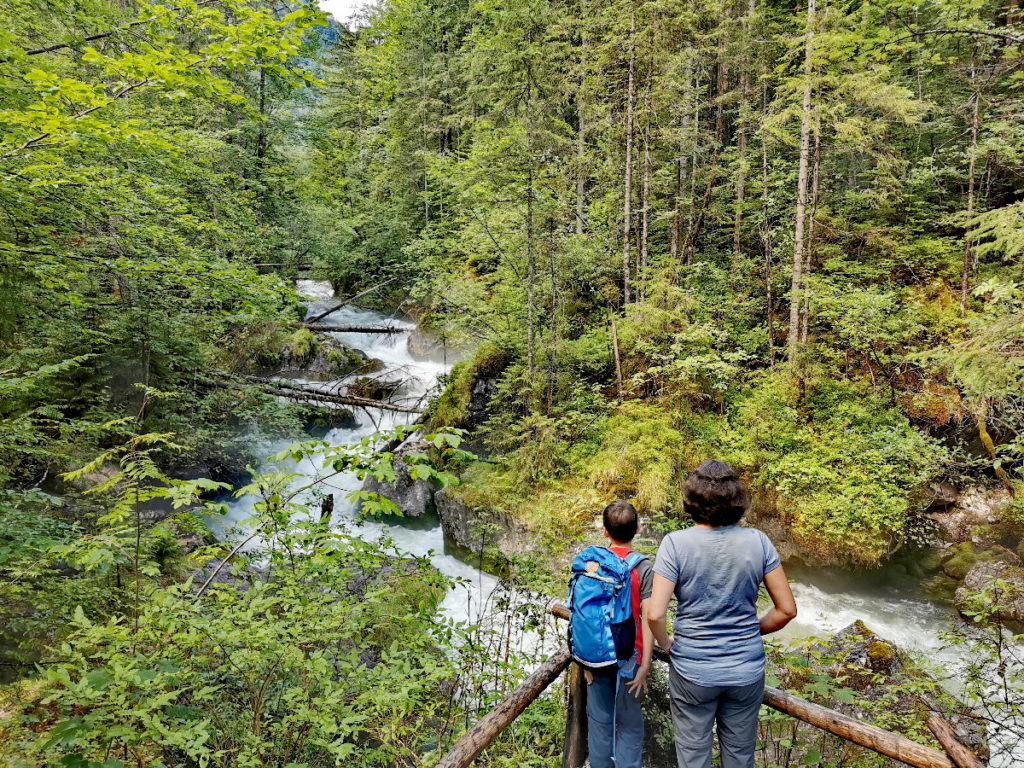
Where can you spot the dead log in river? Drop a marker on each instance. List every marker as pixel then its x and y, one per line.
pixel 324 328
pixel 294 391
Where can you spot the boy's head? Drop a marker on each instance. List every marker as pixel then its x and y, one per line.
pixel 620 521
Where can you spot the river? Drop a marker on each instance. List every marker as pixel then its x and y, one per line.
pixel 890 603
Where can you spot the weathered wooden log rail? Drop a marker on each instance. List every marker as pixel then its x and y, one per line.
pixel 892 745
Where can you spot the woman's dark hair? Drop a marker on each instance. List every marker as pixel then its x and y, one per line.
pixel 620 520
pixel 714 495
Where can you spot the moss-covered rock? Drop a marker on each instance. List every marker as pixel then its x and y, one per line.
pixel 993 586
pixel 863 675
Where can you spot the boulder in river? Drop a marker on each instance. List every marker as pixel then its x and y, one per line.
pixel 1005 585
pixel 321 354
pixel 480 529
pixel 957 522
pixel 863 675
pixel 413 497
pixel 419 344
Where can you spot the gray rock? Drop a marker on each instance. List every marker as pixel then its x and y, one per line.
pixel 480 398
pixel 413 497
pixel 419 344
pixel 877 669
pixel 330 359
pixel 984 575
pixel 973 508
pixel 942 495
pixel 478 528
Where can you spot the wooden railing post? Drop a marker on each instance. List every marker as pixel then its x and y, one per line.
pixel 574 753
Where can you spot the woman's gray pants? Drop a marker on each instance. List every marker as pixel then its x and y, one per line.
pixel 695 711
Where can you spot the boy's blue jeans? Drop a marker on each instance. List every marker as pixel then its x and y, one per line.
pixel 606 708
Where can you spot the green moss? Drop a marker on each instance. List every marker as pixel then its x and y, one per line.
pixel 303 345
pixel 881 651
pixel 639 457
pixel 962 557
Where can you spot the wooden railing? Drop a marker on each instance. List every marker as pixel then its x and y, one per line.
pixel 893 745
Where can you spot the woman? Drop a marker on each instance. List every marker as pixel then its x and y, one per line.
pixel 715 570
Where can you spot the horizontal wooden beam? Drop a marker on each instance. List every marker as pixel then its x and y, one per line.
pixel 863 734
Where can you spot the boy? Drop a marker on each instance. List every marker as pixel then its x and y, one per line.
pixel 614 695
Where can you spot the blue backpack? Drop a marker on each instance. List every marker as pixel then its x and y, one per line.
pixel 602 631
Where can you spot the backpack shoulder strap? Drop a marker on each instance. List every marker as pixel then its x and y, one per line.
pixel 633 559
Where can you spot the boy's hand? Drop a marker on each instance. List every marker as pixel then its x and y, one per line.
pixel 638 685
pixel 588 676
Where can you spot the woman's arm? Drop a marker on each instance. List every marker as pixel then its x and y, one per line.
pixel 658 607
pixel 639 683
pixel 784 609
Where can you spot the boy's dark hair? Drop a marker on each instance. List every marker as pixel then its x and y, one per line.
pixel 714 495
pixel 620 520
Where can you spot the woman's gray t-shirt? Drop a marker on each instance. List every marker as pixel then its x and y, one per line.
pixel 717 573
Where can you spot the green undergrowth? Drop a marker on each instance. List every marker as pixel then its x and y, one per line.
pixel 841 467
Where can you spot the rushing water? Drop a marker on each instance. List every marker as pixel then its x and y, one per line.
pixel 419 537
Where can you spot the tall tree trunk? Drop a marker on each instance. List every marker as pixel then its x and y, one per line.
pixel 721 86
pixel 627 194
pixel 531 266
pixel 645 187
pixel 809 250
pixel 682 162
pixel 766 234
pixel 968 268
pixel 741 143
pixel 801 190
pixel 261 137
pixel 581 176
pixel 581 149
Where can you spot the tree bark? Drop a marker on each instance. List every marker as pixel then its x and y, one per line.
pixel 946 736
pixel 968 268
pixel 766 236
pixel 581 154
pixel 797 286
pixel 809 249
pixel 645 187
pixel 308 394
pixel 615 353
pixel 322 328
pixel 627 194
pixel 531 266
pixel 741 143
pixel 574 751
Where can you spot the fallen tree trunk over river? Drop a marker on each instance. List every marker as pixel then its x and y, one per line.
pixel 309 394
pixel 322 328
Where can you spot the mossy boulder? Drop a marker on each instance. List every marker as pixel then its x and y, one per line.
pixel 863 675
pixel 321 355
pixel 994 586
